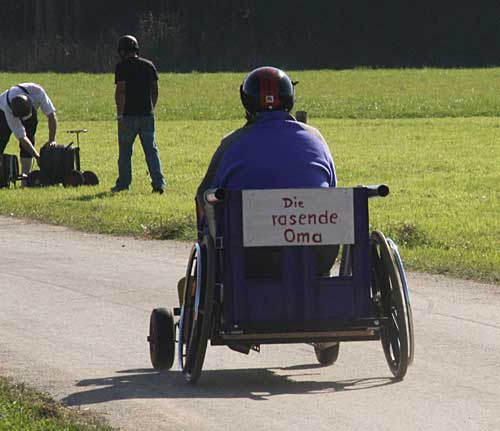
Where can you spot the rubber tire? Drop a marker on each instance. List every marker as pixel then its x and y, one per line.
pixel 161 339
pixel 196 312
pixel 36 179
pixel 90 179
pixel 73 179
pixel 409 312
pixel 327 356
pixel 387 286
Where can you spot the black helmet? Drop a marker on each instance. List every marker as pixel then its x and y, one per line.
pixel 21 106
pixel 267 89
pixel 127 44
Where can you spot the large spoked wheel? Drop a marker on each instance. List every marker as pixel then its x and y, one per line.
pixel 406 291
pixel 161 339
pixel 326 355
pixel 388 292
pixel 196 311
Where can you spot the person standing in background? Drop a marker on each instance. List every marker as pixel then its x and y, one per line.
pixel 136 95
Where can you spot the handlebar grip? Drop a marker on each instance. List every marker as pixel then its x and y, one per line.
pixel 213 196
pixel 377 190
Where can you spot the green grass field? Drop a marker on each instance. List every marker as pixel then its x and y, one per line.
pixel 412 93
pixel 22 408
pixel 431 135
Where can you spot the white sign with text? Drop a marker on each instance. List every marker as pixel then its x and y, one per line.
pixel 292 217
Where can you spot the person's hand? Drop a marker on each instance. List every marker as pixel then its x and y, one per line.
pixel 51 144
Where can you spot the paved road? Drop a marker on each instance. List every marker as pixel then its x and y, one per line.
pixel 74 312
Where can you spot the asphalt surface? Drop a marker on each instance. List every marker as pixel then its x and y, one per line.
pixel 74 315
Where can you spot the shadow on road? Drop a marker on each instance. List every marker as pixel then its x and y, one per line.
pixel 256 384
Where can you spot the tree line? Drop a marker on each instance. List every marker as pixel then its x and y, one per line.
pixel 213 35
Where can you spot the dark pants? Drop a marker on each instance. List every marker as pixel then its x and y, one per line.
pixel 30 125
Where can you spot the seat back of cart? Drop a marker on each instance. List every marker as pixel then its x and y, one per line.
pixel 269 277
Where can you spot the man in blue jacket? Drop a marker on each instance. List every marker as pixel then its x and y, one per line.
pixel 272 151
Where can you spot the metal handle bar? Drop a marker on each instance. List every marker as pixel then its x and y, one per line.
pixel 214 196
pixel 77 131
pixel 377 190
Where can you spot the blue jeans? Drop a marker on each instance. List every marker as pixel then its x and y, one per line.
pixel 145 128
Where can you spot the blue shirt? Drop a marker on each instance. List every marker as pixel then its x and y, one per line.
pixel 275 151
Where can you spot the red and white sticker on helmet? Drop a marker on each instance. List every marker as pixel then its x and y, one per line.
pixel 269 89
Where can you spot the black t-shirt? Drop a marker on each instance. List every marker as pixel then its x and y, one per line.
pixel 138 73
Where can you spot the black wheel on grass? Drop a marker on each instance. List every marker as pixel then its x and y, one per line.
pixel 196 311
pixel 36 179
pixel 388 291
pixel 90 179
pixel 327 355
pixel 161 339
pixel 73 179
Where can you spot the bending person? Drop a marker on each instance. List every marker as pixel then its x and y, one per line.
pixel 18 115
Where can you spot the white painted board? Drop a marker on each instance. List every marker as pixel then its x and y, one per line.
pixel 297 217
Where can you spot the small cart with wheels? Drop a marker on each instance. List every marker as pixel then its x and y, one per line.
pixel 231 298
pixel 9 170
pixel 60 164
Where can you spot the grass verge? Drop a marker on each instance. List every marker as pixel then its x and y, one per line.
pixel 22 408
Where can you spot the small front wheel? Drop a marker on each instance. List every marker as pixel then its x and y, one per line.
pixel 73 179
pixel 36 179
pixel 327 355
pixel 161 339
pixel 90 178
